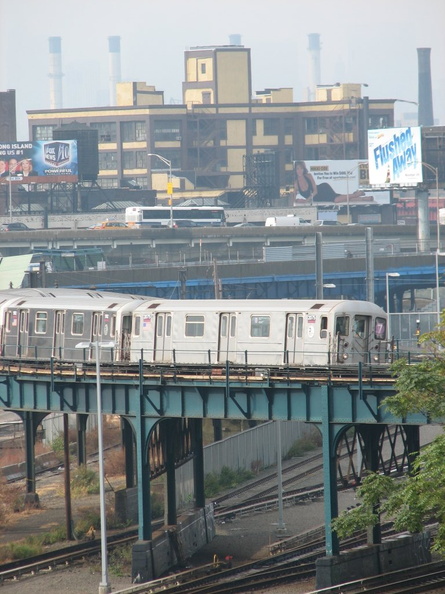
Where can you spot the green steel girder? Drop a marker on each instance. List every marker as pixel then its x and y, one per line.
pixel 257 400
pixel 144 402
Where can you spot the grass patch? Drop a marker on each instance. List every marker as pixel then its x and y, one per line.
pixel 228 479
pixel 303 445
pixel 84 481
pixel 120 559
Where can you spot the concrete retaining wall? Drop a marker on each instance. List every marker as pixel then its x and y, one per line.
pixel 397 553
pixel 173 546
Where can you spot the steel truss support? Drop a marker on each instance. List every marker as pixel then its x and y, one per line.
pixel 31 420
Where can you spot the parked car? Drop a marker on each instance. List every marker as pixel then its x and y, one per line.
pixel 15 227
pixel 109 225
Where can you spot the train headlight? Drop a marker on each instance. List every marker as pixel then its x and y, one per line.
pixel 376 358
pixel 345 356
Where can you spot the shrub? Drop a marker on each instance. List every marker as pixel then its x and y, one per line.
pixel 115 462
pixel 84 481
pixel 120 560
pixel 303 445
pixel 227 479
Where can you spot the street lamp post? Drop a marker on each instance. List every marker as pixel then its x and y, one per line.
pixel 170 182
pixel 12 178
pixel 438 253
pixel 392 275
pixel 104 586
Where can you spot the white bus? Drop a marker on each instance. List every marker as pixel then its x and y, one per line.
pixel 179 216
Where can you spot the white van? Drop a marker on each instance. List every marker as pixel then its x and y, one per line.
pixel 289 221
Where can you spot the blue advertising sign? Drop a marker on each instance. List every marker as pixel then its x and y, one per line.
pixel 40 161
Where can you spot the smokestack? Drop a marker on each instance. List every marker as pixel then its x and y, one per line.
pixel 235 39
pixel 314 64
pixel 55 73
pixel 114 64
pixel 426 117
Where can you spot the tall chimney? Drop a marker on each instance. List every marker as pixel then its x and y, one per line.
pixel 55 72
pixel 426 117
pixel 114 65
pixel 314 64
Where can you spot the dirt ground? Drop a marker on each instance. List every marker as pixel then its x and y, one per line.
pixel 244 539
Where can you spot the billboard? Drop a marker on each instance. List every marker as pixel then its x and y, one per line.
pixel 336 181
pixel 395 157
pixel 46 161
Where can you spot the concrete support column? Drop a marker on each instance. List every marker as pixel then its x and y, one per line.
pixel 329 472
pixel 198 463
pixel 128 443
pixel 423 225
pixel 170 434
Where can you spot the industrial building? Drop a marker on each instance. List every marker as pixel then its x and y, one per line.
pixel 223 136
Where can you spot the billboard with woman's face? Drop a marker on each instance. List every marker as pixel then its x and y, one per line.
pixel 49 161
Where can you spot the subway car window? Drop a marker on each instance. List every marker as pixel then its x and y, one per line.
pixel 194 325
pixel 137 326
pixel 233 326
pixel 290 326
pixel 160 327
pixel 168 326
pixel 41 322
pixel 380 328
pixel 77 324
pixel 300 327
pixel 323 327
pixel 342 325
pixel 260 326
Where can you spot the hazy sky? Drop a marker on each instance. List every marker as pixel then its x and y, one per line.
pixel 371 42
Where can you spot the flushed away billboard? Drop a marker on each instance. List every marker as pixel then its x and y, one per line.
pixel 395 157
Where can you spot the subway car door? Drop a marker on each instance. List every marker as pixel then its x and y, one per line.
pixel 59 334
pixel 96 334
pixel 125 339
pixel 361 336
pixel 293 345
pixel 23 333
pixel 163 350
pixel 227 343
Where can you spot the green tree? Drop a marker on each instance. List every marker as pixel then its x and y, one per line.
pixel 412 501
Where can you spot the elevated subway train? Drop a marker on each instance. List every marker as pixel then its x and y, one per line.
pixel 51 323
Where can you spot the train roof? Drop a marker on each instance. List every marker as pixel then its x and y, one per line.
pixel 262 305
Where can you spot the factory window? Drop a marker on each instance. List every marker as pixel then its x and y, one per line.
pixel 271 126
pixel 311 125
pixel 206 97
pixel 42 132
pixel 129 160
pixel 107 160
pixel 167 130
pixel 77 324
pixel 376 122
pixel 194 325
pixel 203 68
pixel 41 322
pixel 172 155
pixel 288 156
pixel 260 326
pixel 133 131
pixel 108 182
pixel 288 126
pixel 106 131
pixel 141 160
